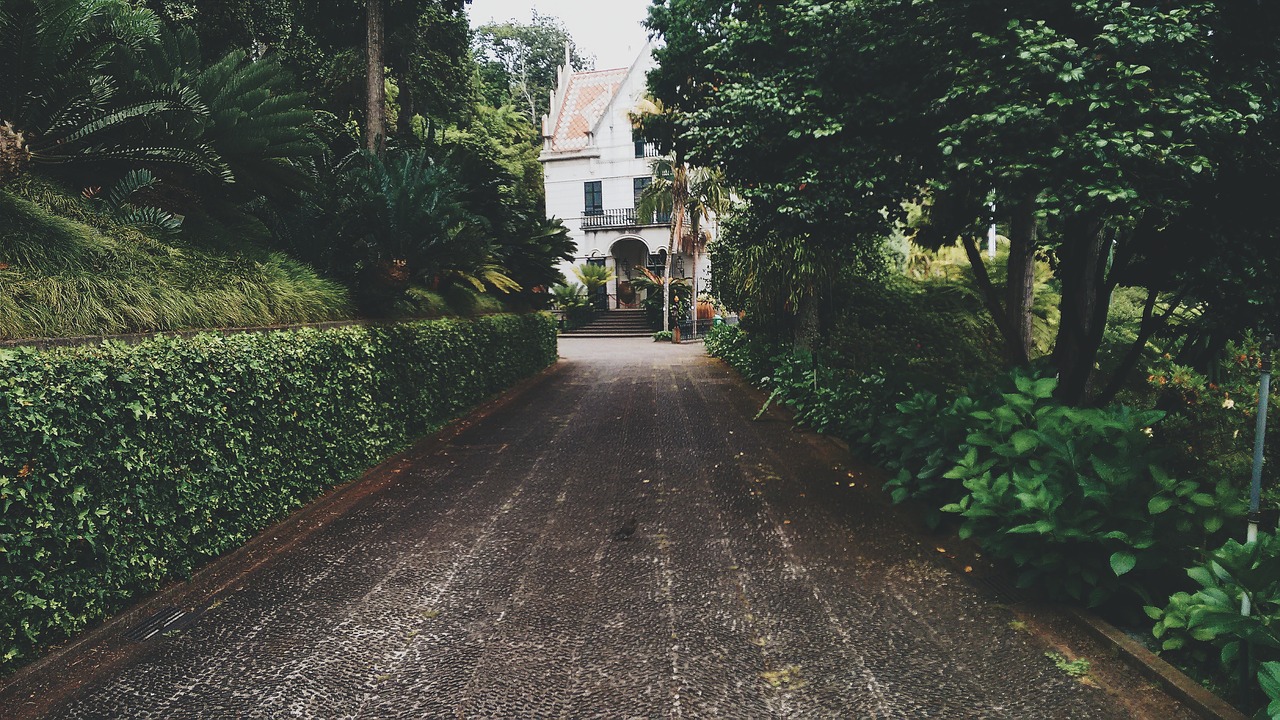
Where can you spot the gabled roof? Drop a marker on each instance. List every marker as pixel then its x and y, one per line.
pixel 585 101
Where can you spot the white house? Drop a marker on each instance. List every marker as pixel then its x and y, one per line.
pixel 595 170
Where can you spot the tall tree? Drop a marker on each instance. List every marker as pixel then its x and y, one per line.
pixel 375 109
pixel 518 61
pixel 706 197
pixel 1094 125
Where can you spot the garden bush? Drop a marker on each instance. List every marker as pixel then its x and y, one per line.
pixel 1077 498
pixel 1204 629
pixel 747 355
pixel 123 466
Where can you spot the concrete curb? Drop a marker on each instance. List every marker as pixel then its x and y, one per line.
pixel 44 685
pixel 1170 679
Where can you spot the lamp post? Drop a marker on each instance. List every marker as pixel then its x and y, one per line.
pixel 991 234
pixel 1259 437
pixel 1255 493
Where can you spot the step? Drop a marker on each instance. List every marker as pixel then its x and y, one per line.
pixel 581 334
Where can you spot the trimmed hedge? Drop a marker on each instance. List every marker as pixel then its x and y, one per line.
pixel 123 466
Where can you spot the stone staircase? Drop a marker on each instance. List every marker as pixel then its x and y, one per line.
pixel 614 324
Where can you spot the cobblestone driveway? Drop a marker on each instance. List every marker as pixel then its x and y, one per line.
pixel 486 582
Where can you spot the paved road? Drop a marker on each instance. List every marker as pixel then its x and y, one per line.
pixel 486 582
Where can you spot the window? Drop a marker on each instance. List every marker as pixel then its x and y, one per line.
pixel 637 187
pixel 593 198
pixel 658 263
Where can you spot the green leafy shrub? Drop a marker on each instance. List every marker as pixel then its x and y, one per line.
pixel 572 300
pixel 681 298
pixel 731 344
pixel 922 442
pixel 831 400
pixel 663 336
pixel 932 335
pixel 1076 497
pixel 1209 431
pixel 122 466
pixel 1205 630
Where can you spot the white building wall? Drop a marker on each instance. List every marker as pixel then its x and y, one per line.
pixel 610 158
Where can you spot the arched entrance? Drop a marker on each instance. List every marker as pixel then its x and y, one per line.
pixel 629 254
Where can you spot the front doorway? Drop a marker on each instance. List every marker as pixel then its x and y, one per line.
pixel 629 254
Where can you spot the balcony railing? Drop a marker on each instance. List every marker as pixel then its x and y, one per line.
pixel 646 149
pixel 621 218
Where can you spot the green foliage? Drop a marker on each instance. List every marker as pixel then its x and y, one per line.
pixel 572 300
pixel 1210 428
pixel 104 500
pixel 652 285
pixel 663 336
pixel 593 277
pixel 923 441
pixel 518 61
pixel 1114 139
pixel 747 355
pixel 1077 668
pixel 1205 628
pixel 58 88
pixel 83 273
pixel 1077 497
pixel 935 334
pixel 1269 681
pixel 403 220
pixel 257 125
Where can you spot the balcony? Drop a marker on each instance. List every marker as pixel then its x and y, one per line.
pixel 621 218
pixel 646 149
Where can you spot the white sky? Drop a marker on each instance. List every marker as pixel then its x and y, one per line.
pixel 608 29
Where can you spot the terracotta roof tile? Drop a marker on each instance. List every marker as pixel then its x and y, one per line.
pixel 585 101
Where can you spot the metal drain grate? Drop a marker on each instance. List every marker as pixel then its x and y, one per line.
pixel 169 619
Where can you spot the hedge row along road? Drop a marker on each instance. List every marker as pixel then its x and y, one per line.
pixel 124 466
pixel 499 575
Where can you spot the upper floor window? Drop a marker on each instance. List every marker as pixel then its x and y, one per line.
pixel 593 198
pixel 637 189
pixel 643 149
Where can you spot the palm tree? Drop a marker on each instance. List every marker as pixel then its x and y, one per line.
pixel 692 195
pixel 259 129
pixel 593 277
pixel 58 101
pixel 701 195
pixel 406 220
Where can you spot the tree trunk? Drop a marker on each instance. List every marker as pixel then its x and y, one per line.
pixel 991 300
pixel 693 291
pixel 1020 288
pixel 1086 297
pixel 404 123
pixel 1146 329
pixel 375 131
pixel 679 191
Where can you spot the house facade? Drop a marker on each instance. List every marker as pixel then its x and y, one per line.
pixel 595 170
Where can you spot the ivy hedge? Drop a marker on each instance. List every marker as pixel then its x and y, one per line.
pixel 124 466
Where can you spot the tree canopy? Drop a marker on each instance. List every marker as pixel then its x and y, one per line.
pixel 518 61
pixel 1121 141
